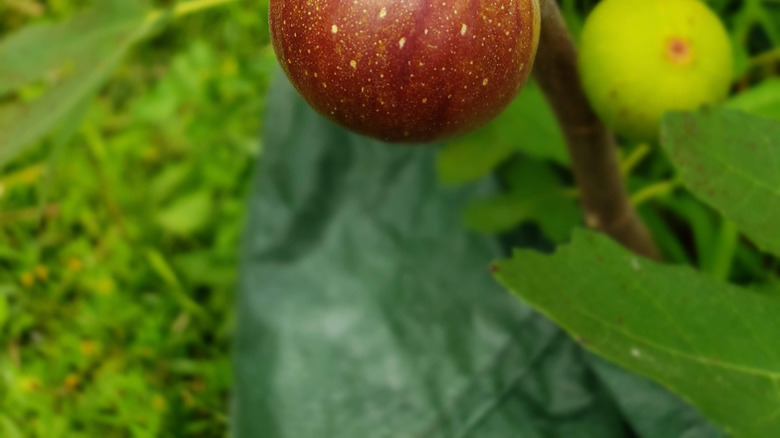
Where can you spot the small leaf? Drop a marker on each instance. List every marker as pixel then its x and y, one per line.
pixel 712 343
pixel 164 270
pixel 188 214
pixel 731 161
pixel 527 125
pixel 762 100
pixel 536 194
pixel 164 184
pixel 471 158
pixel 530 125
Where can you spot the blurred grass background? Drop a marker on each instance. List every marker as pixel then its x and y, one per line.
pixel 118 248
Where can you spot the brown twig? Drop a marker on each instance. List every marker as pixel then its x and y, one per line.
pixel 591 145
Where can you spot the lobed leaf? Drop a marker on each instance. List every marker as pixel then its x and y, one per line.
pixel 712 343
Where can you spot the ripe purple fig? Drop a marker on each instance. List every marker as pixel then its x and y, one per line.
pixel 406 70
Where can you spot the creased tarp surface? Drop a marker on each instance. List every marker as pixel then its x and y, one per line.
pixel 367 310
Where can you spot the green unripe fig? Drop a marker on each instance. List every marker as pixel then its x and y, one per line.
pixel 641 58
pixel 406 70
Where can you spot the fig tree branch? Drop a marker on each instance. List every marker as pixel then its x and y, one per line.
pixel 591 145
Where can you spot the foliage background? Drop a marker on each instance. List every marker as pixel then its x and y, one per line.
pixel 118 247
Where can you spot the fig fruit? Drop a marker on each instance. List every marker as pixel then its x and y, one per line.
pixel 406 70
pixel 641 58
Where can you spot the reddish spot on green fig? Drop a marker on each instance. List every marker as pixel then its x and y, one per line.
pixel 406 70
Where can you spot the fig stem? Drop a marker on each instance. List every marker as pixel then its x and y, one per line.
pixel 591 145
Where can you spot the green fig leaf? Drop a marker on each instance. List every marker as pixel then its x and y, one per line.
pixel 731 161
pixel 712 343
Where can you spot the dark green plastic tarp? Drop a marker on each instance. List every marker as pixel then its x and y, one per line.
pixel 367 310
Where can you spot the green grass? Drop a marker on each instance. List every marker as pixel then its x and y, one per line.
pixel 119 237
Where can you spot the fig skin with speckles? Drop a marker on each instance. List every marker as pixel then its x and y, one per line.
pixel 407 71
